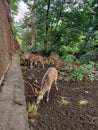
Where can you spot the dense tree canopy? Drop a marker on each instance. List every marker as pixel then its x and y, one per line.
pixel 67 27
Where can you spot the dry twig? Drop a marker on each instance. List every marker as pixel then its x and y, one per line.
pixel 30 86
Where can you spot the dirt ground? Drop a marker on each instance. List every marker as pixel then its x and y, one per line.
pixel 73 107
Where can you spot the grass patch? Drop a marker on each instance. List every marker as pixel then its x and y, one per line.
pixel 32 110
pixel 63 101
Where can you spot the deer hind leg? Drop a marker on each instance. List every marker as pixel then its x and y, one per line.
pixel 36 64
pixel 48 94
pixel 31 64
pixel 42 64
pixel 56 84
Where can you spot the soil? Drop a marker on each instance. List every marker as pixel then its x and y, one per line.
pixel 73 107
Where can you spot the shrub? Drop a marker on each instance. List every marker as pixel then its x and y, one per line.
pixel 86 58
pixel 70 58
pixel 77 74
pixel 89 70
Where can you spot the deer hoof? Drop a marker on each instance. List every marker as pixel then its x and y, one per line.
pixel 47 99
pixel 57 89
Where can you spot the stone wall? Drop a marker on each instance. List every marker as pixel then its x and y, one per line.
pixel 13 114
pixel 8 43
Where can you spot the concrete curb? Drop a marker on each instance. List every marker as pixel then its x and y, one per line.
pixel 13 114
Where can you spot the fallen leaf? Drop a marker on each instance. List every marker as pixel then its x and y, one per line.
pixel 83 102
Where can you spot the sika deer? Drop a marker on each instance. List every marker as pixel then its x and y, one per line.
pixel 54 58
pixel 46 83
pixel 25 56
pixel 32 58
pixel 35 59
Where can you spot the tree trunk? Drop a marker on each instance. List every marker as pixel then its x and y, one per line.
pixel 8 43
pixel 46 28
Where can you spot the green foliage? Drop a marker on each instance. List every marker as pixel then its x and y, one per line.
pixel 89 70
pixel 63 101
pixel 96 65
pixel 69 57
pixel 86 58
pixel 32 107
pixel 13 7
pixel 67 28
pixel 77 74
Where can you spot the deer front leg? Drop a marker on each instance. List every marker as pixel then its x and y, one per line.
pixel 48 95
pixel 42 64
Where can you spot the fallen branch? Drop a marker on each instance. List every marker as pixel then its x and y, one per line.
pixel 37 86
pixel 29 95
pixel 30 86
pixel 61 69
pixel 80 88
pixel 3 76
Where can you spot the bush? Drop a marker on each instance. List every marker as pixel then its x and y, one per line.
pixel 77 74
pixel 84 71
pixel 86 58
pixel 89 70
pixel 69 57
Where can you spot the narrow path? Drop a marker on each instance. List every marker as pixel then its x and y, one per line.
pixel 13 115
